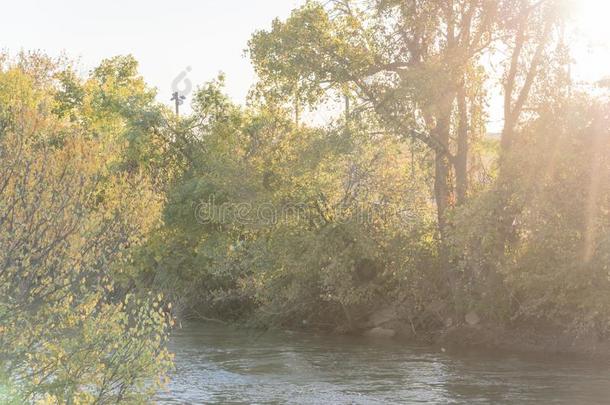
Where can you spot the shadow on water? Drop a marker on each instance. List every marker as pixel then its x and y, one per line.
pixel 217 364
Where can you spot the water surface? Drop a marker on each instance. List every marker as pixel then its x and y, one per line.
pixel 218 364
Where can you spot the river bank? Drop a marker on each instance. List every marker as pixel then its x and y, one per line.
pixel 473 333
pixel 383 326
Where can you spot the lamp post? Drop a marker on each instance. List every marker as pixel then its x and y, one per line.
pixel 178 100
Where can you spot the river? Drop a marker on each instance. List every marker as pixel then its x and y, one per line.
pixel 217 364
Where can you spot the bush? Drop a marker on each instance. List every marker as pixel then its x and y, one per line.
pixel 71 327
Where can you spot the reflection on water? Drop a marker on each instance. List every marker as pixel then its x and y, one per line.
pixel 218 364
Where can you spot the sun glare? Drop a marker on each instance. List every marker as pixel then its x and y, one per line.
pixel 592 16
pixel 592 27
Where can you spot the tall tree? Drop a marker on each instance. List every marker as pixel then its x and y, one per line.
pixel 528 30
pixel 414 65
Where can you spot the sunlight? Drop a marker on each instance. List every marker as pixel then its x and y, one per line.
pixel 592 55
pixel 592 17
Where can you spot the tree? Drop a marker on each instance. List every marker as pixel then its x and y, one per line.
pixel 553 265
pixel 284 223
pixel 413 65
pixel 72 328
pixel 528 32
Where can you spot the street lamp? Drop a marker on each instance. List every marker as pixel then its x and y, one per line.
pixel 178 100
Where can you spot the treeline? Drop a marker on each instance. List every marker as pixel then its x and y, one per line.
pixel 116 216
pixel 400 200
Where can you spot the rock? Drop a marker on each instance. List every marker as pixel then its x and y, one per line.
pixel 472 318
pixel 380 333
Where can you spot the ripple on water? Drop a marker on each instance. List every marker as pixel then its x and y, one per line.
pixel 218 364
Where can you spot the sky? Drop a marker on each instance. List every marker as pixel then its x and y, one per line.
pixel 197 39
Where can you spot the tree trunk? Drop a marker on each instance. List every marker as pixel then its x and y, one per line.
pixel 443 191
pixel 461 158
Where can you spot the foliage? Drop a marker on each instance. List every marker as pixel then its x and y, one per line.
pixel 114 213
pixel 399 199
pixel 410 139
pixel 71 327
pixel 554 190
pixel 295 223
